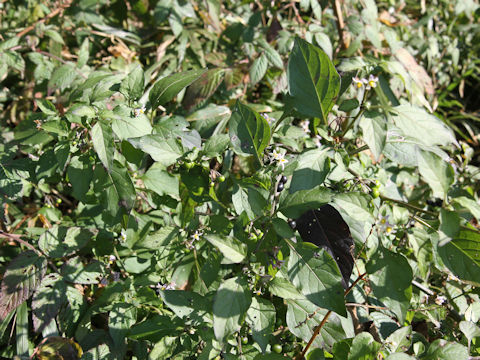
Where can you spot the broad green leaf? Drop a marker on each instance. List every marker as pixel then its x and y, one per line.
pixel 202 88
pixel 165 151
pixel 187 304
pixel 60 241
pixel 233 250
pixel 21 331
pixel 441 349
pixel 313 271
pixel 420 242
pixel 400 340
pixel 164 349
pixel 76 272
pixel 283 288
pixel 469 329
pixel 136 265
pixel 161 181
pixel 438 173
pixel 165 89
pixel 46 106
pixel 258 69
pixel 449 224
pixel 121 318
pixel 426 128
pixel 261 318
pixel 374 131
pixel 123 186
pixel 303 317
pixel 313 81
pixel 62 77
pixel 248 199
pixel 133 84
pixel 47 300
pixel 80 175
pixel 470 204
pixel 312 169
pixel 102 139
pixel 125 125
pixel 391 278
pixel 161 238
pixel 272 55
pixel 230 306
pixel 294 205
pixel 460 256
pixel 22 277
pixel 249 132
pixel 364 347
pixel 216 144
pixel 155 328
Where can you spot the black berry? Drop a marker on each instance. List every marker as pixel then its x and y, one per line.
pixel 280 187
pixel 292 224
pixel 283 179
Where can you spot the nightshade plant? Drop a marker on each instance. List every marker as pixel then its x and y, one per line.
pixel 151 199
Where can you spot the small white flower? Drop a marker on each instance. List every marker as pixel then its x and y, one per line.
pixel 440 299
pixel 139 111
pixel 371 82
pixel 170 286
pixel 358 82
pixel 279 158
pixel 112 258
pixel 196 236
pixel 123 235
pixel 385 225
pixel 304 125
pixel 269 119
pixel 316 140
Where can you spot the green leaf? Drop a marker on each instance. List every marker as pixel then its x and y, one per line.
pixel 187 304
pixel 374 131
pixel 125 125
pixel 313 271
pixel 440 349
pixel 202 88
pixel 161 238
pixel 261 318
pixel 422 126
pixel 249 132
pixel 74 271
pixel 161 181
pixel 133 84
pixel 391 280
pixel 216 145
pixel 364 347
pixel 272 55
pixel 312 169
pixel 102 139
pixel 469 329
pixel 121 318
pixel 438 173
pixel 233 250
pixel 136 265
pixel 470 204
pixel 22 277
pixel 165 89
pixel 258 69
pixel 248 199
pixel 60 241
pixel 294 205
pixel 47 300
pixel 283 288
pixel 62 77
pixel 46 106
pixel 313 81
pixel 165 151
pixel 303 317
pixel 460 256
pixel 230 305
pixel 123 186
pixel 21 331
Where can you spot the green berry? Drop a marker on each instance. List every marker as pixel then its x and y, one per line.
pixel 244 340
pixel 277 348
pixel 59 201
pixel 375 192
pixel 189 165
pixel 221 178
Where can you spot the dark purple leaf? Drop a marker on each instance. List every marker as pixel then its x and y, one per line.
pixel 326 228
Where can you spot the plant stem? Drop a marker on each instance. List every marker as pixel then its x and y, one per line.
pixel 408 205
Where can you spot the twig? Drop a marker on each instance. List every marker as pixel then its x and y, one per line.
pixel 409 206
pixel 423 288
pixel 54 13
pixel 325 318
pixel 340 23
pixel 18 239
pixel 61 60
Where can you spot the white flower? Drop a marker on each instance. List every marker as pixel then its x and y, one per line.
pixel 170 286
pixel 112 258
pixel 196 235
pixel 359 82
pixel 316 140
pixel 139 111
pixel 304 125
pixel 385 226
pixel 269 119
pixel 123 235
pixel 440 299
pixel 371 82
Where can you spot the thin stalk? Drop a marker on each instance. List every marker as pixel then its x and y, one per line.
pixel 408 205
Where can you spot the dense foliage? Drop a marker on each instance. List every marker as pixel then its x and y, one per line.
pixel 156 158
